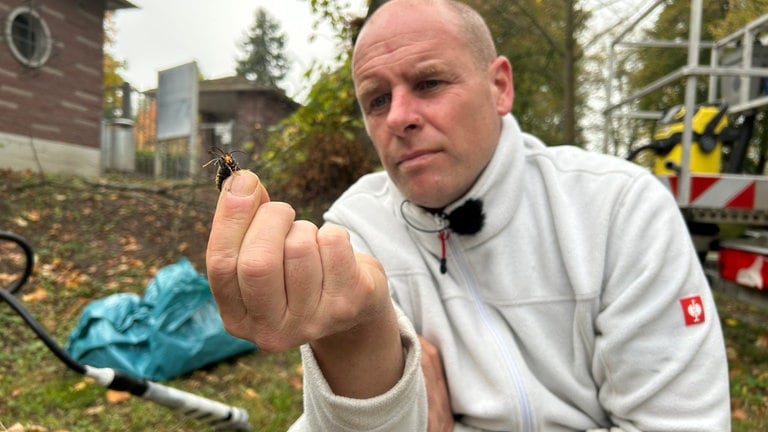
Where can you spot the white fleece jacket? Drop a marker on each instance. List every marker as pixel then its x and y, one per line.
pixel 579 306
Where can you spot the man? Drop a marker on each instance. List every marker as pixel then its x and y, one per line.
pixel 558 290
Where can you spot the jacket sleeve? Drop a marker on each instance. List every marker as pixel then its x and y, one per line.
pixel 403 407
pixel 659 358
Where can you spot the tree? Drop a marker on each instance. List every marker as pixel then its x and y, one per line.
pixel 541 40
pixel 320 150
pixel 112 100
pixel 673 23
pixel 263 60
pixel 740 13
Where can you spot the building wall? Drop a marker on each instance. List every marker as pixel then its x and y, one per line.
pixel 259 110
pixel 54 109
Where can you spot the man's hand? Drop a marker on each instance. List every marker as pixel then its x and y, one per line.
pixel 281 283
pixel 440 417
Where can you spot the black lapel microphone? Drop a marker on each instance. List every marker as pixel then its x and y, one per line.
pixel 468 218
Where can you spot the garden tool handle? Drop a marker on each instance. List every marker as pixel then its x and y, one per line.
pixel 217 414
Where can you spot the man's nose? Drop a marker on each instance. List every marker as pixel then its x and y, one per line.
pixel 403 115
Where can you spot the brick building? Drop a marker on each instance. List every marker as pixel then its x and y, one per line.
pixel 51 84
pixel 251 107
pixel 233 114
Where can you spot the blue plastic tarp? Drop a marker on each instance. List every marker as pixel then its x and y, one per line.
pixel 173 329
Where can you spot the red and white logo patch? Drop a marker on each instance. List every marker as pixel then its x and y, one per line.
pixel 693 310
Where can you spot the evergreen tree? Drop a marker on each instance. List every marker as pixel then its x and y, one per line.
pixel 263 60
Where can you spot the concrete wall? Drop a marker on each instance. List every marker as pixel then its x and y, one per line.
pixel 20 153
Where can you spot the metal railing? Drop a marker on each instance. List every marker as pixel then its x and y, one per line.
pixel 741 41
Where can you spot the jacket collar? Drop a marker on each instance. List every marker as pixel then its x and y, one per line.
pixel 499 187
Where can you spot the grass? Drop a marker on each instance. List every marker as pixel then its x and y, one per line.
pixel 91 241
pixel 746 336
pixel 96 239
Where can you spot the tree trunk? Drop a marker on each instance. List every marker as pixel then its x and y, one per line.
pixel 569 76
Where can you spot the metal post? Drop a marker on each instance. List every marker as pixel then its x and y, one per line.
pixel 160 147
pixel 192 145
pixel 747 51
pixel 607 129
pixel 684 190
pixel 713 84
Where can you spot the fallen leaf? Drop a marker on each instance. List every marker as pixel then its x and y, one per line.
pixel 134 247
pixel 131 247
pixel 55 229
pixel 18 427
pixel 739 414
pixel 251 393
pixel 296 383
pixel 762 341
pixel 38 295
pixel 734 372
pixel 80 386
pixel 33 216
pixel 95 410
pixel 116 397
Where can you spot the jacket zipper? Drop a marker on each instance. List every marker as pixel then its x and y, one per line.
pixel 512 369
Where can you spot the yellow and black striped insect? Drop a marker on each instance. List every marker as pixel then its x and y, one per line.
pixel 226 164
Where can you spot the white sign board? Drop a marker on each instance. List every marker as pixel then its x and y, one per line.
pixel 177 102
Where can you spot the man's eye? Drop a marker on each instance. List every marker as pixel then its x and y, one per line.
pixel 380 101
pixel 428 84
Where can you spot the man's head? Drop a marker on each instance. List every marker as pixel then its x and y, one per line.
pixel 432 91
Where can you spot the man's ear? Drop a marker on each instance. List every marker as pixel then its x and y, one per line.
pixel 503 85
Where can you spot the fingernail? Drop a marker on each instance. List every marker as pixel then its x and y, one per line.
pixel 243 184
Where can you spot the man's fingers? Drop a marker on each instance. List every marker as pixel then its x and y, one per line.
pixel 260 272
pixel 440 416
pixel 351 282
pixel 338 260
pixel 237 205
pixel 303 271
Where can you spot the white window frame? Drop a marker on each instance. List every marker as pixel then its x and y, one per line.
pixel 42 44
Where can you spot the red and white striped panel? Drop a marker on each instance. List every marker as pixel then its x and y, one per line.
pixel 724 191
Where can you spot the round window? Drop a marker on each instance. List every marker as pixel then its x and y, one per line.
pixel 28 36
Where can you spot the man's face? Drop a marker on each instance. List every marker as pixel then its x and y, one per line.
pixel 432 112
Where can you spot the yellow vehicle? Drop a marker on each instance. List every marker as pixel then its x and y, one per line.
pixel 709 125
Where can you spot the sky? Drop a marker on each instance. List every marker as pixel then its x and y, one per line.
pixel 162 34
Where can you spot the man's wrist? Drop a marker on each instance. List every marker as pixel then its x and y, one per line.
pixel 364 361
